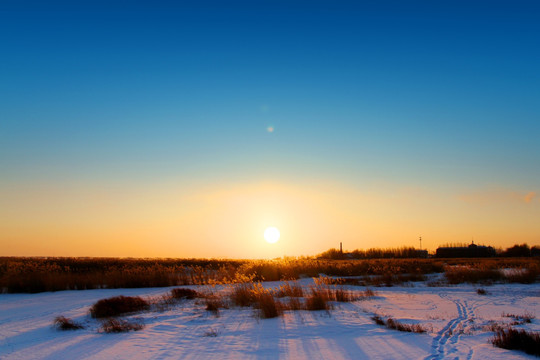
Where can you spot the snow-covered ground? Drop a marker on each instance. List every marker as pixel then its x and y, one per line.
pixel 457 319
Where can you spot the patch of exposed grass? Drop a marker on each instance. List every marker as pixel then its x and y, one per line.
pixel 243 294
pixel 64 323
pixel 523 276
pixel 481 291
pixel 118 325
pixel 520 319
pixel 294 304
pixel 294 290
pixel 317 300
pixel 378 320
pixel 399 326
pixel 214 303
pixel 512 339
pixel 265 302
pixel 465 274
pixel 182 293
pixel 118 305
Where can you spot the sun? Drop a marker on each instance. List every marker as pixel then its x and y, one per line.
pixel 271 234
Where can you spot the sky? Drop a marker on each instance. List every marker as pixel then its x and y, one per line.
pixel 185 129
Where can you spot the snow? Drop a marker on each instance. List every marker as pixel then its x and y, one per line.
pixel 457 319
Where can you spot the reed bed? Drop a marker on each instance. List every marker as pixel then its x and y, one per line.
pixel 32 275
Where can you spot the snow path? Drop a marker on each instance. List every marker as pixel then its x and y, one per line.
pixel 457 319
pixel 451 333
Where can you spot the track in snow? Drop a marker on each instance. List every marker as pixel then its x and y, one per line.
pixel 445 344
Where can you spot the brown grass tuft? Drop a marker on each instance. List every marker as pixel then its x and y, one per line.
pixel 317 300
pixel 396 325
pixel 513 339
pixel 118 305
pixel 64 323
pixel 181 293
pixel 118 326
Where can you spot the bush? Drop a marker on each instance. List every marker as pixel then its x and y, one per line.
pixel 481 291
pixel 118 305
pixel 63 323
pixel 117 326
pixel 181 293
pixel 513 339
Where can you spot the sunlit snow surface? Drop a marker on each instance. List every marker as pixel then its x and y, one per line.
pixel 457 319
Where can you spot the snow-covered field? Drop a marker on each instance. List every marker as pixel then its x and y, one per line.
pixel 457 319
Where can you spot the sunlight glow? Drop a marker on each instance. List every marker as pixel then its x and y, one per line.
pixel 271 235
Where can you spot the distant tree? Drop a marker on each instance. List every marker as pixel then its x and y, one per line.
pixel 522 250
pixel 333 254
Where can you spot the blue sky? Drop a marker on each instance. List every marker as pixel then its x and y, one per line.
pixel 439 95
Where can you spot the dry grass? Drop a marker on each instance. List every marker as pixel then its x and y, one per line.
pixel 317 300
pixel 214 303
pixel 523 276
pixel 118 305
pixel 266 304
pixel 182 293
pixel 294 290
pixel 520 319
pixel 396 325
pixel 52 274
pixel 117 326
pixel 243 294
pixel 294 304
pixel 512 339
pixel 465 274
pixel 63 323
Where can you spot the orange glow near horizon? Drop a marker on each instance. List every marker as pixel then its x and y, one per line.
pixel 170 220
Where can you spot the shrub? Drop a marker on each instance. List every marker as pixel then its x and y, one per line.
pixel 117 326
pixel 481 291
pixel 513 339
pixel 181 293
pixel 63 323
pixel 118 305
